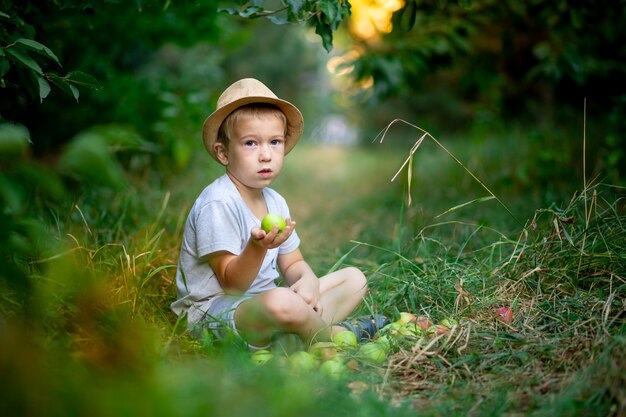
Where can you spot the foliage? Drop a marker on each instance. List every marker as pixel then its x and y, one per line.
pixel 19 66
pixel 58 155
pixel 505 60
pixel 324 15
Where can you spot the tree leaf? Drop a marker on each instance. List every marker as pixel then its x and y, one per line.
pixel 295 5
pixel 83 79
pixel 4 67
pixel 277 20
pixel 39 48
pixel 408 16
pixel 14 140
pixel 44 88
pixel 331 9
pixel 23 59
pixel 324 30
pixel 88 158
pixel 63 85
pixel 75 92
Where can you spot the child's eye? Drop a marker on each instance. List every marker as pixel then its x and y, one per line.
pixel 277 142
pixel 249 143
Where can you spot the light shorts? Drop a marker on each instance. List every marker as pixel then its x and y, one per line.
pixel 219 319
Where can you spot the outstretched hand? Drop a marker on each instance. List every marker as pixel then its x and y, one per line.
pixel 274 238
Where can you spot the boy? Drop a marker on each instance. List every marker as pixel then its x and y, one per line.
pixel 228 264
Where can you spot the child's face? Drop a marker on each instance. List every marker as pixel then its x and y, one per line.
pixel 256 151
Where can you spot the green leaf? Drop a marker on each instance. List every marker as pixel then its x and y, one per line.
pixel 75 92
pixel 39 48
pixel 14 140
pixel 44 88
pixel 63 85
pixel 332 10
pixel 23 59
pixel 48 185
pixel 4 67
pixel 277 20
pixel 29 82
pixel 408 16
pixel 324 30
pixel 295 5
pixel 88 158
pixel 119 137
pixel 83 79
pixel 248 12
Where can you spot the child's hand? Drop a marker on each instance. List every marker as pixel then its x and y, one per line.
pixel 274 238
pixel 308 288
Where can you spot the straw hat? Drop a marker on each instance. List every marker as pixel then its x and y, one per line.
pixel 247 91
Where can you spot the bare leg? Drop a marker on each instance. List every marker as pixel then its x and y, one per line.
pixel 282 310
pixel 278 310
pixel 341 292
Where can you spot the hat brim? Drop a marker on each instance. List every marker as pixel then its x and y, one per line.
pixel 295 122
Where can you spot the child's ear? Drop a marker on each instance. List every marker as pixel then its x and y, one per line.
pixel 221 152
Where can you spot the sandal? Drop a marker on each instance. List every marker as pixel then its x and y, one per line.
pixel 365 327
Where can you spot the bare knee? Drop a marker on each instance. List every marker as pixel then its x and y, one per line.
pixel 285 307
pixel 356 279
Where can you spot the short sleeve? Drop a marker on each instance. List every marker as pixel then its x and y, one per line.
pixel 218 229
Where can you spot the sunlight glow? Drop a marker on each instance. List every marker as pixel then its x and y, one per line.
pixel 371 18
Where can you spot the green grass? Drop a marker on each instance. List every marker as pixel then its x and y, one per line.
pixel 99 339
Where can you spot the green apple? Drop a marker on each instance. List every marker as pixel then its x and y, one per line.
pixel 345 339
pixel 448 322
pixel 437 329
pixel 324 350
pixel 261 356
pixel 372 352
pixel 302 361
pixel 272 220
pixel 334 369
pixel 406 317
pixel 385 342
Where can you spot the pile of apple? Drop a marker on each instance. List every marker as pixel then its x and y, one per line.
pixel 338 357
pixel 410 325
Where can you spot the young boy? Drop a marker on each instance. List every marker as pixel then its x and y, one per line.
pixel 228 264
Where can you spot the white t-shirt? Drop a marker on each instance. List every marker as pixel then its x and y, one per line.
pixel 220 221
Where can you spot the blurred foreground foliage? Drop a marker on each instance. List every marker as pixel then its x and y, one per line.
pixel 85 275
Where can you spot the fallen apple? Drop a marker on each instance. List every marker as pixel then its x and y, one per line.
pixel 448 322
pixel 334 369
pixel 437 329
pixel 324 350
pixel 302 361
pixel 412 329
pixel 372 352
pixel 406 317
pixel 272 220
pixel 397 330
pixel 423 322
pixel 385 342
pixel 505 314
pixel 345 338
pixel 261 356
